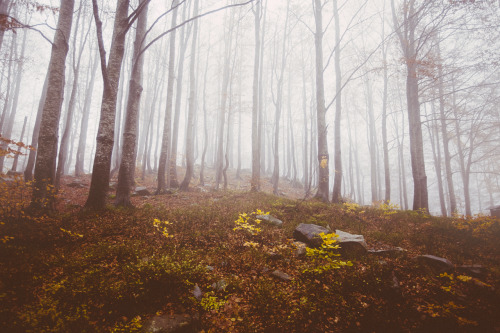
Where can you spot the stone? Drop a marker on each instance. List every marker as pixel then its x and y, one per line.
pixel 141 191
pixel 473 270
pixel 350 244
pixel 15 174
pixel 197 293
pixel 309 234
pixel 300 248
pixel 270 220
pixel 437 264
pixel 209 268
pixel 176 323
pixel 281 275
pixel 394 252
pixel 219 285
pixel 76 184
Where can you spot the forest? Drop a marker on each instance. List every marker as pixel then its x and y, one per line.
pixel 249 166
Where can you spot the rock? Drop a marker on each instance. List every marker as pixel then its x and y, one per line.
pixel 270 220
pixel 76 184
pixel 473 270
pixel 309 234
pixel 209 268
pixel 300 248
pixel 197 293
pixel 395 252
pixel 176 323
pixel 141 191
pixel 219 285
pixel 437 264
pixel 15 174
pixel 281 275
pixel 274 256
pixel 350 244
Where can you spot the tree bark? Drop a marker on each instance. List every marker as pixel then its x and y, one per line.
pixel 337 178
pixel 192 106
pixel 126 174
pixel 28 172
pixel 323 157
pixel 165 145
pixel 111 75
pixel 255 181
pixel 82 141
pixel 42 197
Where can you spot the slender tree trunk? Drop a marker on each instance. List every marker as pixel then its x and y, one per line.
pixel 192 106
pixel 337 178
pixel 165 145
pixel 63 148
pixel 222 114
pixel 28 172
pixel 16 158
pixel 255 181
pixel 184 38
pixel 45 166
pixel 323 157
pixel 385 143
pixel 436 153
pixel 111 74
pixel 205 128
pixel 7 132
pixel 126 174
pixel 82 141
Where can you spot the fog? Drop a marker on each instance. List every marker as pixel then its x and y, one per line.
pixel 410 95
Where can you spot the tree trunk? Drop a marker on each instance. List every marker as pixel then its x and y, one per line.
pixel 111 74
pixel 28 172
pixel 16 157
pixel 47 148
pixel 337 178
pixel 255 181
pixel 165 144
pixel 172 171
pixel 82 142
pixel 192 106
pixel 126 174
pixel 323 157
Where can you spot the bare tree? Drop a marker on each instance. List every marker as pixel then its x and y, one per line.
pixel 47 148
pixel 127 165
pixel 111 76
pixel 192 106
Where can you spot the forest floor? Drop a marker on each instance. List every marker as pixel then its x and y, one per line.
pixel 121 270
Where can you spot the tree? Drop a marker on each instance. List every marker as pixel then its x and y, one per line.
pixel 192 106
pixel 255 181
pixel 323 157
pixel 127 165
pixel 412 41
pixel 165 145
pixel 47 148
pixel 111 76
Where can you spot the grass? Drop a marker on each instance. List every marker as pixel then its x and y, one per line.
pixel 109 272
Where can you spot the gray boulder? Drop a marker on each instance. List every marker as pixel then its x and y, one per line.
pixel 394 252
pixel 281 275
pixel 350 244
pixel 309 234
pixel 141 191
pixel 270 220
pixel 436 264
pixel 176 323
pixel 300 248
